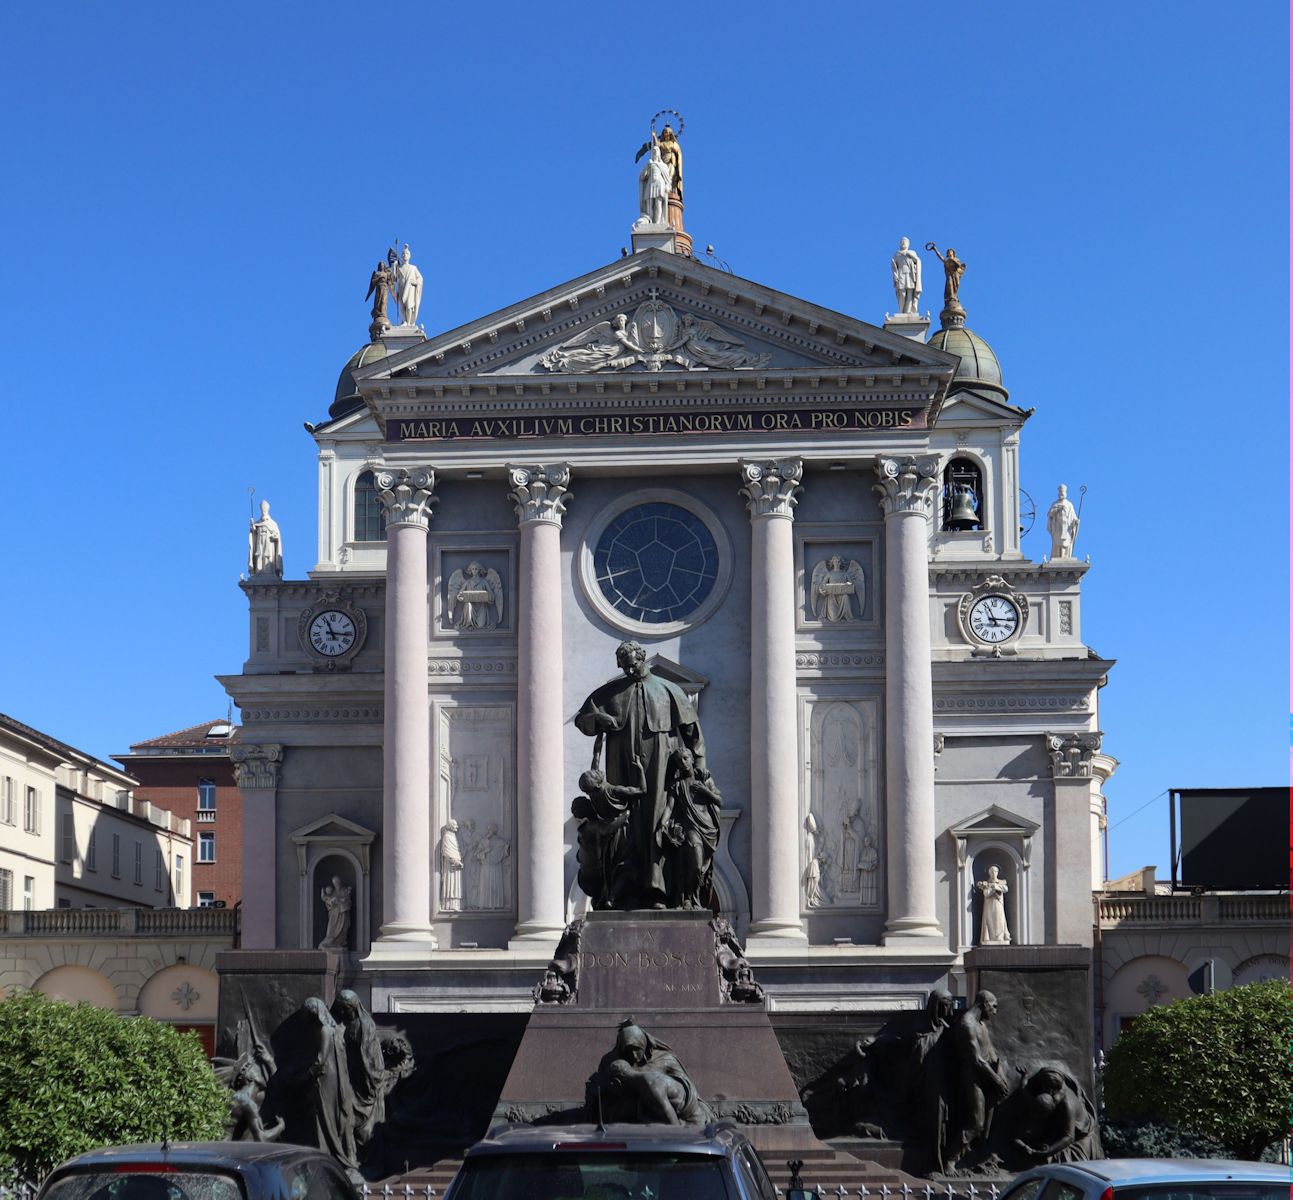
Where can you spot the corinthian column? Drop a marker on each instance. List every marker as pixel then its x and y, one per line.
pixel 770 488
pixel 406 754
pixel 906 488
pixel 540 495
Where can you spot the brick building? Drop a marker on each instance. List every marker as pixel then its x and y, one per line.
pixel 191 773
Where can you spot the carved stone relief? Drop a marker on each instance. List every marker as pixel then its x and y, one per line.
pixel 1071 754
pixel 475 596
pixel 653 337
pixel 475 849
pixel 837 582
pixel 842 837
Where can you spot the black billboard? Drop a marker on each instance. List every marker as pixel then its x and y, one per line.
pixel 1230 839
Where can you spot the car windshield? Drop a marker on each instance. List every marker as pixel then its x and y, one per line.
pixel 121 1183
pixel 1227 1189
pixel 597 1175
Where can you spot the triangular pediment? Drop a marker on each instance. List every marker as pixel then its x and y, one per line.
pixel 994 822
pixel 965 405
pixel 333 829
pixel 657 313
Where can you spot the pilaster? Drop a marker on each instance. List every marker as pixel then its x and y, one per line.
pixel 256 769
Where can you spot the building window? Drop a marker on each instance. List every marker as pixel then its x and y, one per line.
pixel 31 812
pixel 91 859
pixel 116 856
pixel 179 879
pixel 206 899
pixel 123 799
pixel 6 889
pixel 962 496
pixel 6 801
pixel 159 872
pixel 69 838
pixel 370 517
pixel 656 563
pixel 64 903
pixel 206 847
pixel 206 795
pixel 139 863
pixel 28 892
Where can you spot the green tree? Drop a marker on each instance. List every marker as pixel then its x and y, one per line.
pixel 76 1077
pixel 1218 1066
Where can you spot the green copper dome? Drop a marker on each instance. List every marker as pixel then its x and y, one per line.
pixel 979 366
pixel 348 399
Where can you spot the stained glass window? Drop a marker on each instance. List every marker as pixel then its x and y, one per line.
pixel 656 563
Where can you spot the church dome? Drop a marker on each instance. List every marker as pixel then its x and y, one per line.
pixel 979 366
pixel 348 399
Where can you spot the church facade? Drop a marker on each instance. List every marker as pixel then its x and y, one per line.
pixel 810 523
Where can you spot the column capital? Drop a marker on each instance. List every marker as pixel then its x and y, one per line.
pixel 1073 754
pixel 407 495
pixel 256 767
pixel 771 486
pixel 539 491
pixel 907 484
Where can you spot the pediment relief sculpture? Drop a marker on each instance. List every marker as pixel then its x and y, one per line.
pixel 653 337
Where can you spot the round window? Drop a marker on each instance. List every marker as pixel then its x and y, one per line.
pixel 654 566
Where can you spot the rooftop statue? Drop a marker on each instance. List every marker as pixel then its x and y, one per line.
pixel 381 285
pixel 407 284
pixel 1062 524
pixel 906 277
pixel 654 184
pixel 265 545
pixel 670 152
pixel 954 268
pixel 654 803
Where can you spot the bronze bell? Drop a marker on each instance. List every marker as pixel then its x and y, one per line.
pixel 964 514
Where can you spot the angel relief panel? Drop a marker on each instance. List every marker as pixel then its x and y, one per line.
pixel 838 579
pixel 842 840
pixel 475 597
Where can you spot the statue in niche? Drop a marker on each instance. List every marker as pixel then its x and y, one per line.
pixel 1062 524
pixel 642 1082
pixel 265 545
pixel 993 930
pixel 490 853
pixel 953 268
pixel 338 899
pixel 450 855
pixel 407 281
pixel 654 183
pixel 1058 1122
pixel 814 897
pixel 381 285
pixel 639 720
pixel 980 1082
pixel 906 277
pixel 476 597
pixel 835 586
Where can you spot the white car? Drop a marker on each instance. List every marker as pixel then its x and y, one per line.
pixel 1154 1179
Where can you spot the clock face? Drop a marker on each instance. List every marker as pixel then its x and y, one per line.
pixel 332 633
pixel 993 619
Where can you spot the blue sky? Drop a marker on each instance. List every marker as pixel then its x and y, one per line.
pixel 195 196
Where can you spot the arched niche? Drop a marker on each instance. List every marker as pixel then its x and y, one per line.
pixel 77 984
pixel 1261 967
pixel 1000 838
pixel 183 994
pixel 333 846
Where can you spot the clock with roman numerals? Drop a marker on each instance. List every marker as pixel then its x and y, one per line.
pixel 332 630
pixel 992 616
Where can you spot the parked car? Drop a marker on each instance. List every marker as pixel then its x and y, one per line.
pixel 617 1162
pixel 1154 1179
pixel 200 1171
